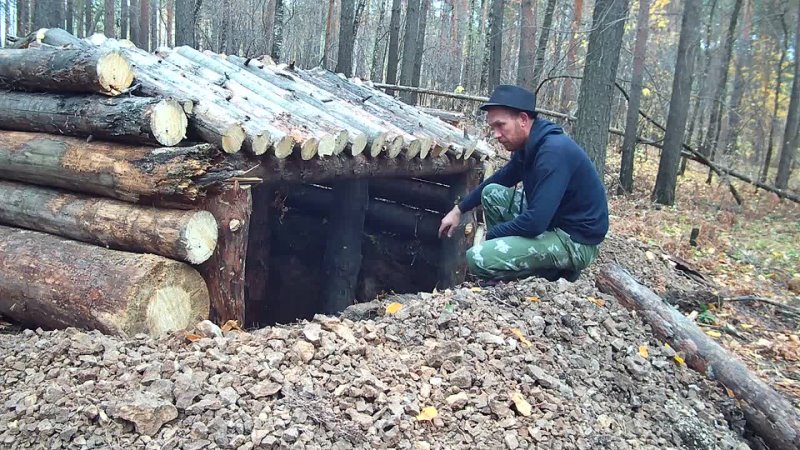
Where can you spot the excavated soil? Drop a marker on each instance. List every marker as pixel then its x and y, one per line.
pixel 528 364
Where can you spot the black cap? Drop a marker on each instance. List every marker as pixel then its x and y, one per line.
pixel 511 96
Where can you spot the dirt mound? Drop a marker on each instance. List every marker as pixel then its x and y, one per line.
pixel 520 365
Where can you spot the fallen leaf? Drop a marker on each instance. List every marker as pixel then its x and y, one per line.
pixel 680 360
pixel 597 301
pixel 522 405
pixel 476 289
pixel 729 392
pixel 534 299
pixel 231 325
pixel 428 413
pixel 713 333
pixel 193 337
pixel 746 326
pixel 521 337
pixel 643 351
pixel 393 308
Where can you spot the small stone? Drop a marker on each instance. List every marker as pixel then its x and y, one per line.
pixel 229 395
pixel 257 436
pixel 364 420
pixel 162 389
pixel 312 332
pixel 147 412
pixel 461 378
pixel 362 311
pixel 291 434
pixel 208 329
pixel 265 389
pixel 304 351
pixel 457 401
pixel 441 352
pixel 540 376
pixel 511 441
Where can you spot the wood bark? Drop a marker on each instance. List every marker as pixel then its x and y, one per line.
pixel 183 235
pixel 49 282
pixel 453 250
pixel 394 45
pixel 527 51
pixel 277 31
pixel 424 7
pixel 376 71
pixel 56 37
pixel 417 193
pixel 144 25
pixel 123 19
pixel 544 37
pixel 341 261
pixel 381 215
pixel 154 13
pixel 410 38
pixel 344 55
pixel 184 22
pixel 772 418
pixel 108 18
pixel 790 136
pixel 664 191
pixel 744 58
pixel 139 120
pixel 65 70
pixel 118 171
pixel 224 272
pixel 134 9
pixel 88 17
pixel 632 118
pixel 776 101
pixel 23 17
pixel 572 48
pixel 597 88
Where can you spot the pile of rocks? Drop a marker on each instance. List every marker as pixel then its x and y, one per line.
pixel 521 365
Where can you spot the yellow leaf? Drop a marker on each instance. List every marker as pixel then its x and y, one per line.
pixel 428 413
pixel 746 326
pixel 534 299
pixel 231 325
pixel 521 337
pixel 645 92
pixel 522 405
pixel 193 337
pixel 729 392
pixel 476 289
pixel 597 301
pixel 713 333
pixel 643 351
pixel 680 360
pixel 393 308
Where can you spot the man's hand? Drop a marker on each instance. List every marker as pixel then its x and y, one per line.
pixel 450 222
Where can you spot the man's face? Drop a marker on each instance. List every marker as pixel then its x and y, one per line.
pixel 509 127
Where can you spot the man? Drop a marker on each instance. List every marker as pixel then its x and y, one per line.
pixel 553 227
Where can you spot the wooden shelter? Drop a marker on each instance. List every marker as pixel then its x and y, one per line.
pixel 287 192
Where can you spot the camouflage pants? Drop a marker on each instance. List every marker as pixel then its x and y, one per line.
pixel 514 257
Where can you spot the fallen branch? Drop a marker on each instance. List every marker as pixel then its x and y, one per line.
pixel 768 413
pixel 786 309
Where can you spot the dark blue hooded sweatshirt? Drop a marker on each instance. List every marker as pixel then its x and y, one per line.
pixel 561 186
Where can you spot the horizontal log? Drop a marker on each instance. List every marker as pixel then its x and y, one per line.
pixel 321 170
pixel 51 36
pixel 380 215
pixel 768 414
pixel 414 192
pixel 65 70
pixel 137 120
pixel 189 236
pixel 118 171
pixel 50 282
pixel 450 117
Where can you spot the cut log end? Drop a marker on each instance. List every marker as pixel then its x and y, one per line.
pixel 199 237
pixel 358 144
pixel 114 73
pixel 188 107
pixel 177 303
pixel 309 148
pixel 233 138
pixel 327 145
pixel 425 150
pixel 260 143
pixel 342 139
pixel 377 145
pixel 414 148
pixel 284 146
pixel 394 146
pixel 438 150
pixel 168 123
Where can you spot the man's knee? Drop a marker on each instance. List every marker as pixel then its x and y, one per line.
pixel 475 262
pixel 490 194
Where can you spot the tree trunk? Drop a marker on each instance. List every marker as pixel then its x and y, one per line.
pixel 108 18
pixel 772 418
pixel 23 17
pixel 527 52
pixel 378 53
pixel 699 111
pixel 341 262
pixel 123 19
pixel 70 27
pixel 410 39
pixel 664 191
pixel 42 15
pixel 730 138
pixel 277 35
pixel 144 25
pixel 65 70
pixel 134 22
pixel 330 36
pixel 632 120
pixel 47 281
pixel 59 15
pixel 344 56
pixel 189 236
pixel 712 138
pixel 113 170
pixel 544 36
pixel 170 42
pixel 790 133
pixel 423 24
pixel 597 87
pixel 394 47
pixel 154 10
pixel 139 120
pixel 453 250
pixel 226 287
pixel 495 41
pixel 776 103
pixel 184 22
pixel 88 18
